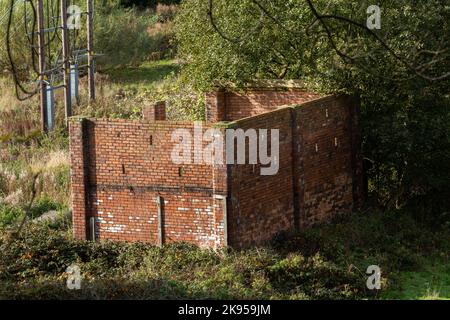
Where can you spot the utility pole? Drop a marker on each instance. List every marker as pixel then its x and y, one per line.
pixel 41 52
pixel 49 69
pixel 90 49
pixel 65 51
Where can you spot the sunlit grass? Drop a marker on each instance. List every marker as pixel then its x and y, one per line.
pixel 147 75
pixel 431 282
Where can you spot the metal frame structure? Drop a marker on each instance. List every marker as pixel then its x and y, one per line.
pixel 56 52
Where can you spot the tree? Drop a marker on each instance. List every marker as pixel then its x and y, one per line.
pixel 400 72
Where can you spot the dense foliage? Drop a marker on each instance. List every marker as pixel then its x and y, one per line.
pixel 122 36
pixel 147 3
pixel 323 263
pixel 406 141
pixel 406 118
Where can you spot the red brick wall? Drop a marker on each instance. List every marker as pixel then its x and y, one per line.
pixel 230 106
pixel 120 167
pixel 127 165
pixel 155 112
pixel 215 106
pixel 79 194
pixel 324 154
pixel 319 174
pixel 261 206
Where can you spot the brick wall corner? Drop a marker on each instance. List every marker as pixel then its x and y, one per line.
pixel 78 176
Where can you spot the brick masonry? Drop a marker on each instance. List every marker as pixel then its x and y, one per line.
pixel 228 106
pixel 120 169
pixel 155 112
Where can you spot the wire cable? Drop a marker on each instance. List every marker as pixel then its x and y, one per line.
pixel 17 84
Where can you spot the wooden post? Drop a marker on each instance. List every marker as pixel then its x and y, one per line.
pixel 92 229
pixel 65 51
pixel 225 217
pixel 160 205
pixel 90 49
pixel 42 76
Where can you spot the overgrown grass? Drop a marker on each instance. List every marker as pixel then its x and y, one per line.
pixel 25 152
pixel 144 77
pixel 123 35
pixel 430 282
pixel 325 262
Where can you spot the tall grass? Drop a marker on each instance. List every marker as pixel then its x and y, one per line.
pixel 25 152
pixel 325 262
pixel 18 37
pixel 123 36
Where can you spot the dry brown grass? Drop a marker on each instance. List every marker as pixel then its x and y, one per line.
pixel 160 28
pixel 24 152
pixel 16 117
pixel 166 12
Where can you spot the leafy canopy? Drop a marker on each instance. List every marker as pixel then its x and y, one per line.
pixel 400 72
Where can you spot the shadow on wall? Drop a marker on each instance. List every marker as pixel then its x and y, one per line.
pixel 130 163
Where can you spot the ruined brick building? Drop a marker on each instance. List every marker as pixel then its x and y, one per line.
pixel 125 186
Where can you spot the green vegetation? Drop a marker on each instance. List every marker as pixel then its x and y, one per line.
pixel 405 229
pixel 144 77
pixel 148 3
pixel 130 36
pixel 432 282
pixel 405 117
pixel 9 215
pixel 327 262
pixel 122 36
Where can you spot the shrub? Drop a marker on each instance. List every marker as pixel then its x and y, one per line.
pixel 119 33
pixel 182 100
pixel 148 3
pixel 314 277
pixel 9 215
pixel 393 240
pixel 166 12
pixel 122 37
pixel 326 262
pixel 404 117
pixel 33 265
pixel 163 41
pixel 43 205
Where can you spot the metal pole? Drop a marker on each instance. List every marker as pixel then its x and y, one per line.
pixel 41 52
pixel 65 44
pixel 90 48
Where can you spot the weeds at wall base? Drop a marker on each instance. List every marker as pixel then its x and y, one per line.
pixel 326 262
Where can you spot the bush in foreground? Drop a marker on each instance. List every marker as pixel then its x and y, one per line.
pixel 327 262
